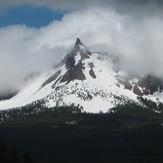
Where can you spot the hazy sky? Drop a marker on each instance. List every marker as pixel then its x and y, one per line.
pixel 35 35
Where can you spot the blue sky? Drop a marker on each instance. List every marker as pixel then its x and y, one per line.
pixel 30 16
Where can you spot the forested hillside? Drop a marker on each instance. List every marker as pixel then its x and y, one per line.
pixel 127 133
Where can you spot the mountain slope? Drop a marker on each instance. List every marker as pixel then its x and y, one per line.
pixel 89 80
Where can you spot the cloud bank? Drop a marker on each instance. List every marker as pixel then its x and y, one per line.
pixel 132 6
pixel 133 35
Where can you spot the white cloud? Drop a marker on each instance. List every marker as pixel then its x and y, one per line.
pixel 25 50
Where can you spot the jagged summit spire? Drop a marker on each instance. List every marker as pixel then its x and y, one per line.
pixel 78 42
pixel 79 46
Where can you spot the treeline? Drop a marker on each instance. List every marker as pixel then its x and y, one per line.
pixel 127 133
pixel 37 114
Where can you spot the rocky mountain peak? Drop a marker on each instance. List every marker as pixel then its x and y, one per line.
pixel 87 79
pixel 79 47
pixel 77 55
pixel 75 62
pixel 78 42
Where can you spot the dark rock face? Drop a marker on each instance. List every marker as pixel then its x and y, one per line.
pixel 137 91
pixel 78 42
pixel 148 85
pixel 74 73
pixel 126 84
pixel 70 63
pixel 59 78
pixel 91 72
pixel 74 67
pixel 145 86
pixel 84 56
pixel 77 48
pixel 52 78
pixel 151 84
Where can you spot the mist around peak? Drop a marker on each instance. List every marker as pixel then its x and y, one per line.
pixel 130 32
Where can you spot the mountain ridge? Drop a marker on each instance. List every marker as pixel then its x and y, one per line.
pixel 89 80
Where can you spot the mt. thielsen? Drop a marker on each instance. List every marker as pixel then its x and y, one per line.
pixel 90 80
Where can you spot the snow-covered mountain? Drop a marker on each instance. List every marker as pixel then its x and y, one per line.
pixel 87 79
